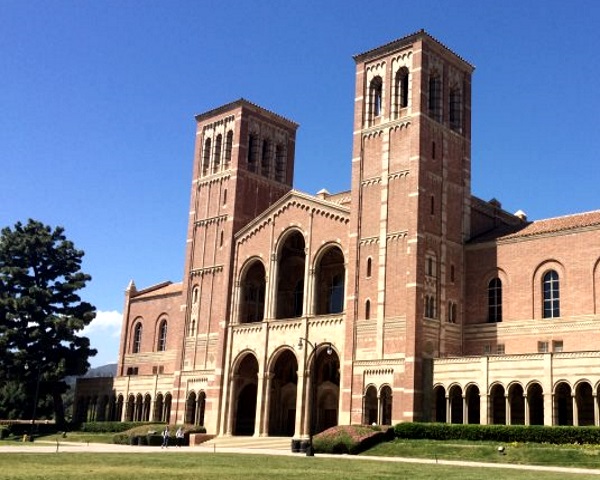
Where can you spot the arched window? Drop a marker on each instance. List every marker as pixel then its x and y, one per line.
pixel 455 112
pixel 225 197
pixel 217 154
pixel 429 306
pixel 369 266
pixel 401 89
pixel 228 147
pixel 195 295
pixel 367 309
pixel 495 300
pixel 451 312
pixel 162 336
pixel 206 156
pixel 221 239
pixel 432 206
pixel 435 96
pixel 280 163
pixel 137 338
pixel 551 294
pixel 265 162
pixel 375 96
pixel 252 152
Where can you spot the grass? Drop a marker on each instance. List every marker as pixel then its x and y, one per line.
pixel 83 437
pixel 579 456
pixel 186 464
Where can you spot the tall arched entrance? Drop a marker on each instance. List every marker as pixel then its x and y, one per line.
pixel 245 396
pixel 283 391
pixel 327 393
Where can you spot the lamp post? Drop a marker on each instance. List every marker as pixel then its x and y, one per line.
pixel 313 410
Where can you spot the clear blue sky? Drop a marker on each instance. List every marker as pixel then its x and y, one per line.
pixel 97 105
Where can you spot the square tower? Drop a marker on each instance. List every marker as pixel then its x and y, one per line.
pixel 410 197
pixel 244 162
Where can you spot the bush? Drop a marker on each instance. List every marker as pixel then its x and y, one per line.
pixel 499 433
pixel 110 427
pixel 152 434
pixel 4 432
pixel 352 439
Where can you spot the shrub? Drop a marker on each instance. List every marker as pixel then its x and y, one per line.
pixel 110 427
pixel 4 432
pixel 499 433
pixel 152 434
pixel 351 439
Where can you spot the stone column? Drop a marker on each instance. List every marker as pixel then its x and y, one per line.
pixel 507 409
pixel 231 410
pixel 526 405
pixel 575 410
pixel 267 402
pixel 596 409
pixel 260 395
pixel 448 410
pixel 465 409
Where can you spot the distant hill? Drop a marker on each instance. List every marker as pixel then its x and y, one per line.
pixel 108 370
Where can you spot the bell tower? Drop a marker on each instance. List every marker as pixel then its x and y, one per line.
pixel 410 197
pixel 243 163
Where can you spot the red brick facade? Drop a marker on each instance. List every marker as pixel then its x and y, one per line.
pixel 405 298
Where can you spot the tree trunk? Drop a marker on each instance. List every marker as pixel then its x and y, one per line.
pixel 59 410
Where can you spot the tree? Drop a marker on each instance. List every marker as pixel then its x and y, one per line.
pixel 40 317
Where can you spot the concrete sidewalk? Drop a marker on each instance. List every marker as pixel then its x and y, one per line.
pixel 75 447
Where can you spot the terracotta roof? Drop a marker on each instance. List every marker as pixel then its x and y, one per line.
pixel 542 227
pixel 165 288
pixel 559 224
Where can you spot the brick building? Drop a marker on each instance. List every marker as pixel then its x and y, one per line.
pixel 405 298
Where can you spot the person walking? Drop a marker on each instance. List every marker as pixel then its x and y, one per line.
pixel 165 435
pixel 179 436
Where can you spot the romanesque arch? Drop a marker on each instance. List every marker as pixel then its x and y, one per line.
pixel 585 404
pixel 497 405
pixel 563 404
pixel 330 281
pixel 472 402
pixel 290 276
pixel 245 395
pixel 370 405
pixel 456 404
pixel 385 405
pixel 326 363
pixel 516 401
pixel 535 403
pixel 439 395
pixel 283 392
pixel 252 300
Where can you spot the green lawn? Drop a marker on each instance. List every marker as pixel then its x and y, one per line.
pixel 581 456
pixel 186 465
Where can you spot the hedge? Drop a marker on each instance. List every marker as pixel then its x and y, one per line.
pixel 352 439
pixel 110 427
pixel 151 434
pixel 499 433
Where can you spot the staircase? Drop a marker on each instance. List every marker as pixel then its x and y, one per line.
pixel 243 443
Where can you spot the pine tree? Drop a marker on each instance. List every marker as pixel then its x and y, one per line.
pixel 41 315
